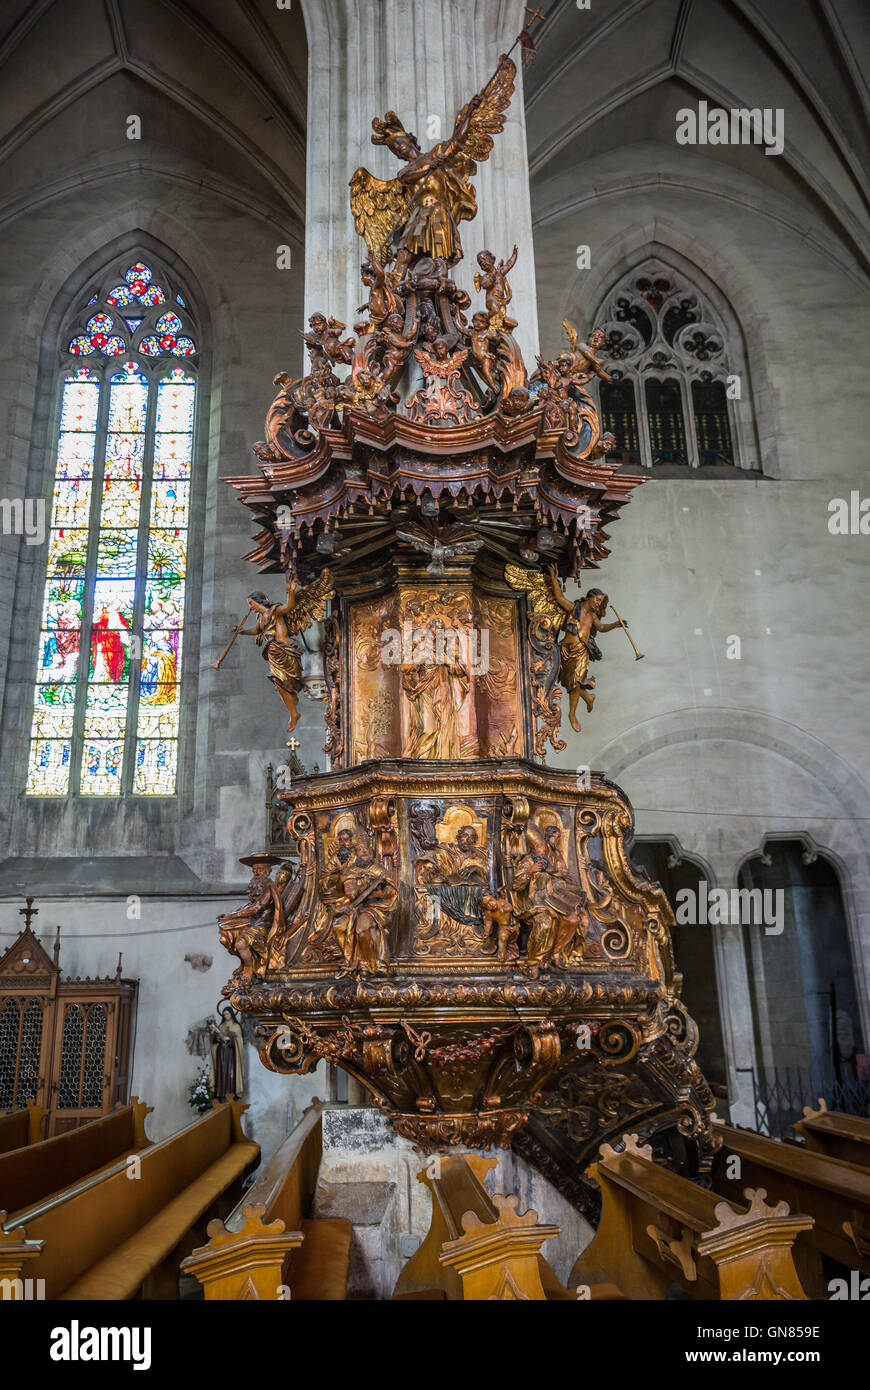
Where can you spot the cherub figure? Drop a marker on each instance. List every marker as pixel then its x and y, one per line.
pixel 383 294
pixel 366 390
pixel 499 921
pixel 584 361
pixel 324 342
pixel 418 213
pixel 480 340
pixel 492 277
pixel 443 398
pixel 561 397
pixel 317 394
pixel 394 345
pixel 581 621
pixel 278 623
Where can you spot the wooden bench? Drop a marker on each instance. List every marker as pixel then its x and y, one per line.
pixel 19 1128
pixel 43 1169
pixel 478 1247
pixel 834 1193
pixel 839 1136
pixel 267 1244
pixel 122 1231
pixel 658 1229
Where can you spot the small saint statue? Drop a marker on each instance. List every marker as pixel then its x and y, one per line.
pixel 225 1073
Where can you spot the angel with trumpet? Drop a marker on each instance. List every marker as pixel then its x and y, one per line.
pixel 581 622
pixel 276 626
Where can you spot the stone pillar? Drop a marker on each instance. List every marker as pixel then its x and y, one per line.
pixel 423 61
pixel 735 1008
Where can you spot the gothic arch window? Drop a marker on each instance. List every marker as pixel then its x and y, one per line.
pixel 106 712
pixel 677 372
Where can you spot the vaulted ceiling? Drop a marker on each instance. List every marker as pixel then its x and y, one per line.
pixel 219 85
pixel 602 98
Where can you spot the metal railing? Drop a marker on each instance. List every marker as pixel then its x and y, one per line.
pixel 779 1097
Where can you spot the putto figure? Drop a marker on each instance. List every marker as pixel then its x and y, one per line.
pixel 443 400
pixel 418 213
pixel 324 341
pixel 492 277
pixel 585 363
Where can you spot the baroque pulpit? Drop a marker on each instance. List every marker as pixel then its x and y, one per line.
pixel 460 927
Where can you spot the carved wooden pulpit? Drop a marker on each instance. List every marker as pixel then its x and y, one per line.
pixel 461 929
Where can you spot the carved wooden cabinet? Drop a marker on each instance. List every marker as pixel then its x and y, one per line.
pixel 67 1044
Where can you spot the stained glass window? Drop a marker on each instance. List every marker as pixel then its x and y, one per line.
pixel 674 363
pixel 106 718
pixel 664 413
pixel 712 426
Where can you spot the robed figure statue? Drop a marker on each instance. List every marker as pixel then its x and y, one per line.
pixel 225 1076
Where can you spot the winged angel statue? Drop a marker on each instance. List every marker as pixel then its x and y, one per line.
pixel 581 622
pixel 418 212
pixel 276 626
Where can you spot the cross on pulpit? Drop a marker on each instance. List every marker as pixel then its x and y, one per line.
pixel 292 744
pixel 535 14
pixel 28 912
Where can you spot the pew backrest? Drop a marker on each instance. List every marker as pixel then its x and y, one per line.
pixel 285 1187
pixel 40 1170
pixel 658 1228
pixel 839 1136
pixel 85 1223
pixel 21 1127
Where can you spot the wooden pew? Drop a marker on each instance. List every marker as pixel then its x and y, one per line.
pixel 658 1229
pixel 834 1193
pixel 123 1230
pixel 18 1128
pixel 478 1247
pixel 41 1170
pixel 839 1136
pixel 267 1244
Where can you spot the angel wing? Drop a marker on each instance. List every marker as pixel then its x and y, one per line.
pixel 538 591
pixel 486 121
pixel 310 603
pixel 416 541
pixel 336 325
pixel 378 205
pixel 571 334
pixel 429 363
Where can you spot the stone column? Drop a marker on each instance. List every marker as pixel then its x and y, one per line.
pixel 735 1005
pixel 423 61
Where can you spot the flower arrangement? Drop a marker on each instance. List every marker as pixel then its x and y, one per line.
pixel 201 1096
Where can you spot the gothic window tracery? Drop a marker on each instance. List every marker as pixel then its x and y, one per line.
pixel 675 372
pixel 106 710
